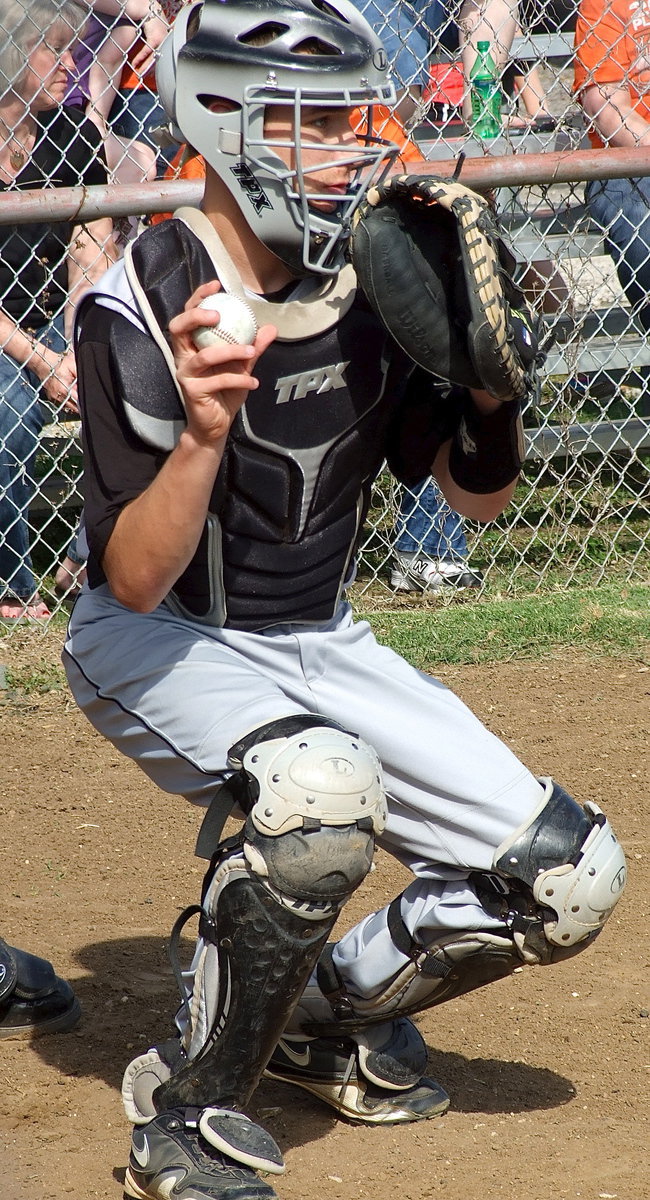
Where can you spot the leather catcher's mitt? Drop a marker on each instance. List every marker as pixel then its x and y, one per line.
pixel 428 256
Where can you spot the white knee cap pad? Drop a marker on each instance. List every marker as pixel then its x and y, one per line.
pixel 580 889
pixel 321 774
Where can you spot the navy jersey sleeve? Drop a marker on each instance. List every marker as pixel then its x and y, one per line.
pixel 428 416
pixel 118 466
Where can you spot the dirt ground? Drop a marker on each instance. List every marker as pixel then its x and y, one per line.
pixel 547 1070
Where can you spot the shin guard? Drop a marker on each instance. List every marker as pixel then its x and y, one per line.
pixel 554 884
pixel 315 801
pixel 256 955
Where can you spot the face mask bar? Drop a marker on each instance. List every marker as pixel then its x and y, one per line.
pixel 371 157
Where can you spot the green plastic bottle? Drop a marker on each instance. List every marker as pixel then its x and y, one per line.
pixel 485 92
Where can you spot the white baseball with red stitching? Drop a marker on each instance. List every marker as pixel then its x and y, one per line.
pixel 237 324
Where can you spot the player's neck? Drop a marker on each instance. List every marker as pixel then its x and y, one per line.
pixel 259 269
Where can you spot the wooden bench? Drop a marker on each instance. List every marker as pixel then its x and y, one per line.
pixel 600 438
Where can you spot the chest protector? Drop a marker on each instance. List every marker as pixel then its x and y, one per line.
pixel 294 484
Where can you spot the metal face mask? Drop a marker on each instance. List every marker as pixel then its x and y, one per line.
pixel 246 55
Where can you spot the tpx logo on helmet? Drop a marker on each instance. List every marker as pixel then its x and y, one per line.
pixel 380 60
pixel 251 186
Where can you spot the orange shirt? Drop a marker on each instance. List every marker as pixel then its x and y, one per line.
pixel 391 128
pixel 612 42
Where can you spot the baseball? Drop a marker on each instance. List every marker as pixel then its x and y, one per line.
pixel 237 323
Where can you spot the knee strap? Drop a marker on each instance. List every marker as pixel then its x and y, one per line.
pixel 434 973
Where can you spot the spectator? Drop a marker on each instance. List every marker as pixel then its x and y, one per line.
pixel 44 268
pixel 612 82
pixel 410 32
pixel 136 111
pixel 33 999
pixel 407 31
pixel 99 58
pixel 431 547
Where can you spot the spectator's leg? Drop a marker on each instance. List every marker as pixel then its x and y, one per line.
pixel 21 421
pixel 430 547
pixel 493 21
pixel 403 29
pixel 416 521
pixel 22 417
pixel 622 208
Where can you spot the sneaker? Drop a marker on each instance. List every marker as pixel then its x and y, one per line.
pixel 373 1077
pixel 33 1000
pixel 413 573
pixel 172 1156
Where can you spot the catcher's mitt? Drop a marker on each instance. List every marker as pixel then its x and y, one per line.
pixel 428 256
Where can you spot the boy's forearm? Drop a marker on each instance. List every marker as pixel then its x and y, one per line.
pixel 156 535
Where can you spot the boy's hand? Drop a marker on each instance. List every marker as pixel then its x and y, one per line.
pixel 215 381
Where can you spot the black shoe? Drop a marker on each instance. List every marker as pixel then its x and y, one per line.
pixel 373 1077
pixel 33 1000
pixel 172 1156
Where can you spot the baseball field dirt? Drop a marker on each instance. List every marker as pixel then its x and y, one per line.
pixel 547 1070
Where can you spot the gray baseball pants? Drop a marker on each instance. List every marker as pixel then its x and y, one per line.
pixel 174 696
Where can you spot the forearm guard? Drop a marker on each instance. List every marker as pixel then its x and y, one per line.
pixel 487 452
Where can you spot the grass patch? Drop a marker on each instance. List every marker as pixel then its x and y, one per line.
pixel 607 620
pixel 37 678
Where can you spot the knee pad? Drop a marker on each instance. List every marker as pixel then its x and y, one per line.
pixel 305 770
pixel 315 801
pixel 570 864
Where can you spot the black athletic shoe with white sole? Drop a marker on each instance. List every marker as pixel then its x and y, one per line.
pixel 172 1158
pixel 33 1000
pixel 374 1077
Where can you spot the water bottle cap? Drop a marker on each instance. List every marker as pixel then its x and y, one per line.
pixel 482 46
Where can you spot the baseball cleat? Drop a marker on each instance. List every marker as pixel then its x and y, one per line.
pixel 416 573
pixel 170 1157
pixel 373 1077
pixel 33 1000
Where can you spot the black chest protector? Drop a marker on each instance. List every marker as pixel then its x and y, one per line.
pixel 294 484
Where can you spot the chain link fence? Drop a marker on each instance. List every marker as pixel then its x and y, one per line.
pixel 580 512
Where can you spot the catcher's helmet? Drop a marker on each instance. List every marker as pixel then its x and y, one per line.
pixel 254 53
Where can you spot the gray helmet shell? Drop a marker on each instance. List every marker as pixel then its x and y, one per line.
pixel 254 53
